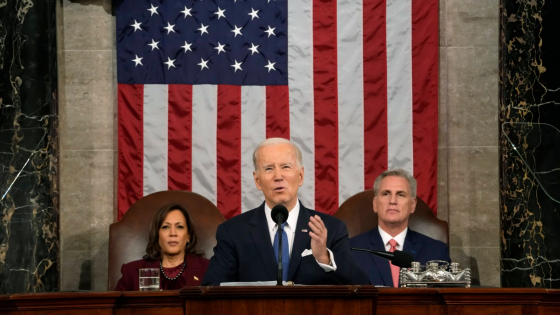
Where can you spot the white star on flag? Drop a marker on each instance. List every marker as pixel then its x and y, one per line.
pixel 236 31
pixel 153 10
pixel 220 13
pixel 270 66
pixel 202 29
pixel 169 28
pixel 137 61
pixel 220 48
pixel 270 31
pixel 202 64
pixel 136 26
pixel 169 63
pixel 237 66
pixel 187 46
pixel 253 14
pixel 154 44
pixel 187 12
pixel 253 49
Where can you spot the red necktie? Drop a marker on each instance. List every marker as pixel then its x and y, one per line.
pixel 394 269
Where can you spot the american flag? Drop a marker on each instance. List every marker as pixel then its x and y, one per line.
pixel 200 83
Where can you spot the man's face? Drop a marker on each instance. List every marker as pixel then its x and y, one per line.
pixel 393 203
pixel 278 175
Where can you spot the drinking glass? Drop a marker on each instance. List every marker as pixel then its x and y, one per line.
pixel 149 279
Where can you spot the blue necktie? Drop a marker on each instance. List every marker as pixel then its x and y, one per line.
pixel 285 252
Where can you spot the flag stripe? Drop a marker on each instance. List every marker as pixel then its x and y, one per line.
pixel 228 152
pixel 277 111
pixel 350 98
pixel 375 91
pixel 155 138
pixel 399 85
pixel 204 141
pixel 425 98
pixel 180 137
pixel 253 131
pixel 130 187
pixel 301 93
pixel 326 105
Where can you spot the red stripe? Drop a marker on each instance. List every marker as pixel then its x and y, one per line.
pixel 228 150
pixel 325 105
pixel 131 146
pixel 425 97
pixel 375 91
pixel 179 154
pixel 277 111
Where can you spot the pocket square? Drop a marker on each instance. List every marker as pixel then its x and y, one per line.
pixel 306 252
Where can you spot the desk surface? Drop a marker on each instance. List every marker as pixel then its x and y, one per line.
pixel 508 301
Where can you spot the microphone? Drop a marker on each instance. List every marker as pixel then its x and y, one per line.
pixel 279 215
pixel 398 258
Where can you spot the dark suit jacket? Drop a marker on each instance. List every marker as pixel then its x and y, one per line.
pixel 421 247
pixel 244 252
pixel 191 276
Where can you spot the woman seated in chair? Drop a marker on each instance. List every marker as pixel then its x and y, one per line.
pixel 171 248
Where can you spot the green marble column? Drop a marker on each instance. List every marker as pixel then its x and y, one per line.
pixel 29 243
pixel 530 143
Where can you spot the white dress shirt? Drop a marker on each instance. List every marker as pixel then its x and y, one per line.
pixel 290 229
pixel 399 238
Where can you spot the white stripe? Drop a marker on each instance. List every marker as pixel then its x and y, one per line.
pixel 350 99
pixel 300 70
pixel 155 138
pixel 253 131
pixel 204 124
pixel 399 84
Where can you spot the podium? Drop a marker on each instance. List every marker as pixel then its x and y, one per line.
pixel 273 300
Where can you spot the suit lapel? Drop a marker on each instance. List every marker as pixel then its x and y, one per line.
pixel 410 244
pixel 382 264
pixel 301 240
pixel 258 228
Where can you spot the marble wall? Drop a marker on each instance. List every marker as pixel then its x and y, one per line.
pixel 468 188
pixel 468 137
pixel 29 243
pixel 530 143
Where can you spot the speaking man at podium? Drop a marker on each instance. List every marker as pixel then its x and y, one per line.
pixel 315 246
pixel 394 201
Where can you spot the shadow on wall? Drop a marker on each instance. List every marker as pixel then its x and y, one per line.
pixel 106 4
pixel 465 261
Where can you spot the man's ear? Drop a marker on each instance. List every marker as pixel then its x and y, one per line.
pixel 413 205
pixel 373 205
pixel 301 176
pixel 256 178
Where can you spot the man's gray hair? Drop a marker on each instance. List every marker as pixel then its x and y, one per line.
pixel 400 173
pixel 272 141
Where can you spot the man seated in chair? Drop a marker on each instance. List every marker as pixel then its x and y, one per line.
pixel 394 201
pixel 315 246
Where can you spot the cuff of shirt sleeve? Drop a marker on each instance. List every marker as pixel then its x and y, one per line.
pixel 332 266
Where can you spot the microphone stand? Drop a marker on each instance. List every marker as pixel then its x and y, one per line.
pixel 280 268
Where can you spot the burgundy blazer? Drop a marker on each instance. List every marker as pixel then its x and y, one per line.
pixel 191 276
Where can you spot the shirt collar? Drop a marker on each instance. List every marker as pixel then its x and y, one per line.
pixel 292 217
pixel 386 237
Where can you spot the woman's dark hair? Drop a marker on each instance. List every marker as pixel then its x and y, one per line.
pixel 153 250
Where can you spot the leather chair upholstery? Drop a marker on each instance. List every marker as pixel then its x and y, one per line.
pixel 128 237
pixel 357 213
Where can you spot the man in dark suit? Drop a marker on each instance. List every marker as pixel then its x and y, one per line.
pixel 317 243
pixel 394 201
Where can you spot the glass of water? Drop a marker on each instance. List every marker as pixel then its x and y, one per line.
pixel 149 279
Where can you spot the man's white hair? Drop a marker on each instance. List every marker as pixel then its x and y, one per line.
pixel 272 141
pixel 400 173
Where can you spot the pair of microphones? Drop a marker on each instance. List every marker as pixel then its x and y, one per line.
pixel 280 214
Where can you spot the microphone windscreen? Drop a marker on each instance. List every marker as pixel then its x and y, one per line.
pixel 279 213
pixel 402 259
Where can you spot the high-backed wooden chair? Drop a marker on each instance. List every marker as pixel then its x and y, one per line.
pixel 128 237
pixel 357 213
